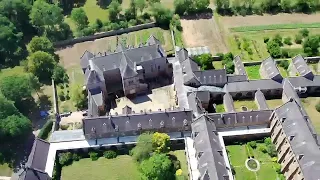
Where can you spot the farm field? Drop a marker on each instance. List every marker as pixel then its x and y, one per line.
pixel 122 167
pixel 203 32
pixel 250 104
pixel 238 156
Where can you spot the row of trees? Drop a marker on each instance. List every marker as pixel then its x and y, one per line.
pixel 246 7
pixel 189 7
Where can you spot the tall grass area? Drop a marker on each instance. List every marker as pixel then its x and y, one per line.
pixel 275 27
pixel 253 72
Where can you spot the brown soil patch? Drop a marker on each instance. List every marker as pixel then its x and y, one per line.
pixel 203 32
pixel 267 19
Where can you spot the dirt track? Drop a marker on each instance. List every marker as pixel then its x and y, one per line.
pixel 203 32
pixel 255 20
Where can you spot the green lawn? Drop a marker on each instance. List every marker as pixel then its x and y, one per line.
pixel 274 103
pixel 309 105
pixel 5 170
pixel 253 72
pixel 120 168
pixel 314 68
pixel 237 156
pixel 251 105
pixel 217 65
pixel 220 108
pixel 283 72
pixel 180 154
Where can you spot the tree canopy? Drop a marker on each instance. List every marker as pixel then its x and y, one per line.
pixel 78 97
pixel 160 142
pixel 141 5
pixel 79 16
pixel 60 75
pixel 158 167
pixel 162 15
pixel 114 10
pixel 41 64
pixel 311 46
pixel 143 148
pixel 41 43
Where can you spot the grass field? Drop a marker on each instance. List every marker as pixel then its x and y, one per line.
pixel 217 65
pixel 274 103
pixel 251 105
pixel 181 156
pixel 309 105
pixel 220 108
pixel 283 72
pixel 253 72
pixel 5 170
pixel 122 167
pixel 275 27
pixel 237 156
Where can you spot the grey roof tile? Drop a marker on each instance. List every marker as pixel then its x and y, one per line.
pixel 271 69
pixel 228 103
pixel 38 155
pixel 239 66
pixel 301 65
pixel 261 100
pixel 252 85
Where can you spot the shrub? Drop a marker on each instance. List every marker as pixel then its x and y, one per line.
pixel 93 156
pixel 110 154
pixel 179 172
pixel 65 159
pixel 253 144
pixel 287 41
pixel 274 48
pixel 267 141
pixel 266 39
pixel 278 39
pixel 284 53
pixel 271 150
pixel 262 148
pixel 230 68
pixel 76 157
pixel 318 107
pixel 298 39
pixel 284 64
pixel 274 159
pixel 45 130
pixel 304 32
pixel 64 126
pixel 205 60
pixel 277 167
pixel 282 177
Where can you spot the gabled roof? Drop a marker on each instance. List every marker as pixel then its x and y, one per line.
pixel 211 164
pixel 228 103
pixel 305 82
pixel 152 40
pixel 261 100
pixel 126 110
pixel 252 85
pixel 208 77
pixel 182 54
pixel 303 142
pixel 239 66
pixel 127 67
pixel 195 104
pixel 84 59
pixel 38 155
pixel 33 174
pixel 301 66
pixel 271 69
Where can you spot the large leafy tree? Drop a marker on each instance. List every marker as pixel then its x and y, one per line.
pixel 7 108
pixel 15 126
pixel 79 16
pixel 311 45
pixel 114 10
pixel 60 75
pixel 143 148
pixel 141 5
pixel 41 64
pixel 160 142
pixel 16 87
pixel 40 44
pixel 78 96
pixel 158 167
pixel 11 47
pixel 162 15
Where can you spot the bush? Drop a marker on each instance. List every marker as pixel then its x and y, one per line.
pixel 267 141
pixel 284 53
pixel 76 157
pixel 266 39
pixel 262 148
pixel 287 41
pixel 274 48
pixel 278 39
pixel 230 68
pixel 65 159
pixel 110 154
pixel 277 167
pixel 271 150
pixel 253 144
pixel 179 172
pixel 205 60
pixel 304 32
pixel 298 39
pixel 93 156
pixel 284 64
pixel 318 107
pixel 45 130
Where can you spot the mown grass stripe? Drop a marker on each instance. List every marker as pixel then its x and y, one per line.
pixel 275 27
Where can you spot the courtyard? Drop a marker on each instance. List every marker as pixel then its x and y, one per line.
pixel 160 98
pixel 238 155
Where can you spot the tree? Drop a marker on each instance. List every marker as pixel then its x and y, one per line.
pixel 152 2
pixel 182 7
pixel 287 41
pixel 16 87
pixel 78 97
pixel 143 148
pixel 114 10
pixel 131 12
pixel 278 39
pixel 205 60
pixel 41 64
pixel 40 44
pixel 157 167
pixel 274 49
pixel 271 150
pixel 141 5
pixel 298 38
pixel 79 16
pixel 15 126
pixel 11 47
pixel 311 45
pixel 304 32
pixel 175 23
pixel 286 5
pixel 201 5
pixel 284 64
pixel 160 142
pixel 7 108
pixel 60 75
pixel 230 67
pixel 162 15
pixel 271 5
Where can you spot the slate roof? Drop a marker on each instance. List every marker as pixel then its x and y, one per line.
pixel 305 82
pixel 84 59
pixel 195 104
pixel 228 103
pixel 35 167
pixel 211 164
pixel 211 77
pixel 93 110
pixel 270 68
pixel 182 54
pixel 301 65
pixel 129 125
pixel 239 66
pixel 252 85
pixel 261 100
pixel 236 78
pixel 127 110
pixel 240 118
pixel 189 66
pixel 303 142
pixel 152 40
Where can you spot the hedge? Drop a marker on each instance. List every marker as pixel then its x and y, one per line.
pixel 45 130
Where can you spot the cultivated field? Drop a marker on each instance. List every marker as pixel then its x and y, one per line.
pixel 203 32
pixel 267 19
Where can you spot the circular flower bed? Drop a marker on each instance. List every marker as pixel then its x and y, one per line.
pixel 252 164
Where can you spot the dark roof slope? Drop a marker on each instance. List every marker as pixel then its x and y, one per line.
pixel 38 155
pixel 33 174
pixel 211 163
pixel 301 66
pixel 305 82
pixel 303 142
pixel 228 103
pixel 239 66
pixel 271 69
pixel 195 104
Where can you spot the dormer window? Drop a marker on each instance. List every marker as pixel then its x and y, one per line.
pixel 116 128
pixel 150 122
pixel 139 126
pixel 185 122
pixel 291 137
pixel 162 124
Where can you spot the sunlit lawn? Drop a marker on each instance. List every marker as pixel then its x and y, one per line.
pixel 251 105
pixel 5 170
pixel 253 72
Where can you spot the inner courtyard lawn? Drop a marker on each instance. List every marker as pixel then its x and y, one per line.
pixel 253 72
pixel 251 105
pixel 237 157
pixel 120 168
pixel 5 170
pixel 181 156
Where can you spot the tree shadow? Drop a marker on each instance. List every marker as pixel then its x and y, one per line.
pixel 67 6
pixel 44 102
pixel 105 3
pixel 198 16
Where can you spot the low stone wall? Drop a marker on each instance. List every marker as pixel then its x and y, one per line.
pixel 104 34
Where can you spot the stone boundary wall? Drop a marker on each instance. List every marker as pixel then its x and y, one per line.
pixel 315 59
pixel 68 42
